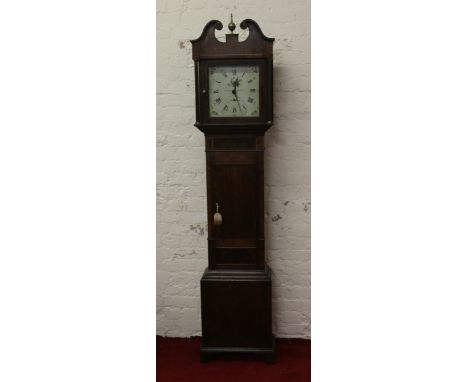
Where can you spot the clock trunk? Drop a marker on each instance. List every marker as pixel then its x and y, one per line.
pixel 235 186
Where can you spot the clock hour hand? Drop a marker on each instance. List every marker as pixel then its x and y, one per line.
pixel 234 91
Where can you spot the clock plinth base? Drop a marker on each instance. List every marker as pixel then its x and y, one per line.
pixel 268 354
pixel 236 313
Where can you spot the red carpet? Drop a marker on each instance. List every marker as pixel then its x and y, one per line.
pixel 177 360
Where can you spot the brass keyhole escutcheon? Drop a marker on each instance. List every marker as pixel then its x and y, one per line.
pixel 217 218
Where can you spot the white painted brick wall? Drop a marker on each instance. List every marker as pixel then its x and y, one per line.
pixel 181 190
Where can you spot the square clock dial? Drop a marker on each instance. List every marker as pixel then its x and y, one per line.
pixel 233 91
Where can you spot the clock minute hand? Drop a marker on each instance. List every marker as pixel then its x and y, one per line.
pixel 237 99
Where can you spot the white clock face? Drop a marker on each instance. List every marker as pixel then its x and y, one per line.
pixel 233 91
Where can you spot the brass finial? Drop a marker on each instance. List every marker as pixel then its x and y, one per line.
pixel 231 25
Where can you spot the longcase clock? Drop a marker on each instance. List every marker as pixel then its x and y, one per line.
pixel 234 109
